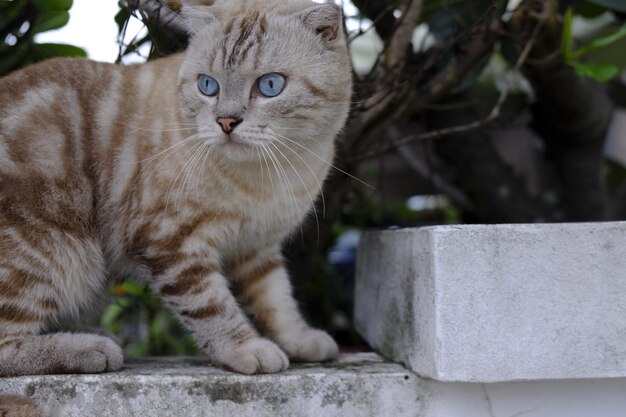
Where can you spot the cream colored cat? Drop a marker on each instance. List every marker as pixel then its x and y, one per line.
pixel 187 172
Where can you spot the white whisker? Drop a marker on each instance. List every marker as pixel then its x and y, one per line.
pixel 285 183
pixel 186 160
pixel 326 162
pixel 258 155
pixel 319 185
pixel 165 154
pixel 176 145
pixel 203 167
pixel 317 221
pixel 197 155
pixel 269 172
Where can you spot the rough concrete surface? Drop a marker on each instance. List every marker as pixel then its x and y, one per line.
pixel 355 385
pixel 492 303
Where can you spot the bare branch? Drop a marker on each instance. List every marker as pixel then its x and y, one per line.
pixel 421 167
pixel 154 9
pixel 396 51
pixel 384 96
pixel 478 124
pixel 163 13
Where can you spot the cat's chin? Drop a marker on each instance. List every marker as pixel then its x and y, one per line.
pixel 236 149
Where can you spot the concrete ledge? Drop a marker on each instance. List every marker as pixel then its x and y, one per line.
pixel 358 385
pixel 354 385
pixel 497 303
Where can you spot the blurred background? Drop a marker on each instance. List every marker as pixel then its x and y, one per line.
pixel 464 111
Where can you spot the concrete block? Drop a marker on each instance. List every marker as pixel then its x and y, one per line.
pixel 497 303
pixel 355 385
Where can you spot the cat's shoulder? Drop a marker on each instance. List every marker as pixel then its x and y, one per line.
pixel 77 74
pixel 60 71
pixel 54 67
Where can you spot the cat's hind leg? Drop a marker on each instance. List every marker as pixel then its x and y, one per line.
pixel 45 276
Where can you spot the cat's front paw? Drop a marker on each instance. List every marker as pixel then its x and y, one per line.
pixel 254 356
pixel 310 345
pixel 88 353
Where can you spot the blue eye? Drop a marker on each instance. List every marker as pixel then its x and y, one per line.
pixel 207 85
pixel 271 85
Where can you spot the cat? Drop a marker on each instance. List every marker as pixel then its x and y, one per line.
pixel 186 172
pixel 18 406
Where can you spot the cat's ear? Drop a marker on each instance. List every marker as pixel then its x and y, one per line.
pixel 325 20
pixel 177 15
pixel 196 17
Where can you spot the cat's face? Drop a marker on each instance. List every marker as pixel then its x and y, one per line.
pixel 262 74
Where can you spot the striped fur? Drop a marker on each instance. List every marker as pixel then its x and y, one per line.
pixel 18 406
pixel 108 170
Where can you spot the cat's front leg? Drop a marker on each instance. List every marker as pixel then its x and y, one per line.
pixel 199 294
pixel 266 292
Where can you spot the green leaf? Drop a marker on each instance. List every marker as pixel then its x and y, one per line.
pixel 599 72
pixel 10 14
pixel 618 5
pixel 600 42
pixel 13 58
pixel 53 5
pixel 133 288
pixel 121 17
pixel 588 10
pixel 43 51
pixel 159 325
pixel 138 349
pixel 567 41
pixel 110 315
pixel 51 20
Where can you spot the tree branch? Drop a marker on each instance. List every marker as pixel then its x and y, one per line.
pixel 424 170
pixel 468 127
pixel 380 13
pixel 397 48
pixel 496 191
pixel 163 13
pixel 571 114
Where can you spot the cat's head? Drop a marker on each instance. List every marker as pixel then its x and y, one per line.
pixel 266 72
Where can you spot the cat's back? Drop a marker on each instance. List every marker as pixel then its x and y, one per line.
pixel 48 111
pixel 71 75
pixel 56 93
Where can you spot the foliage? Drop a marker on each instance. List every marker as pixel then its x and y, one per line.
pixel 20 21
pixel 139 319
pixel 160 39
pixel 616 5
pixel 598 71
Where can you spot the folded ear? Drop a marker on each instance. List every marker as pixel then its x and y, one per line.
pixel 179 15
pixel 323 19
pixel 196 17
pixel 177 5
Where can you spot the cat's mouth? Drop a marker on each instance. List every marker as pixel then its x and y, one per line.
pixel 233 139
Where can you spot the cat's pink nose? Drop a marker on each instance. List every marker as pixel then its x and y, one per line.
pixel 228 123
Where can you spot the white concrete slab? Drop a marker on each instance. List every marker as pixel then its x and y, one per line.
pixel 553 398
pixel 497 303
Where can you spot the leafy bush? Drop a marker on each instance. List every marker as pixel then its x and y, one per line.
pixel 20 21
pixel 138 318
